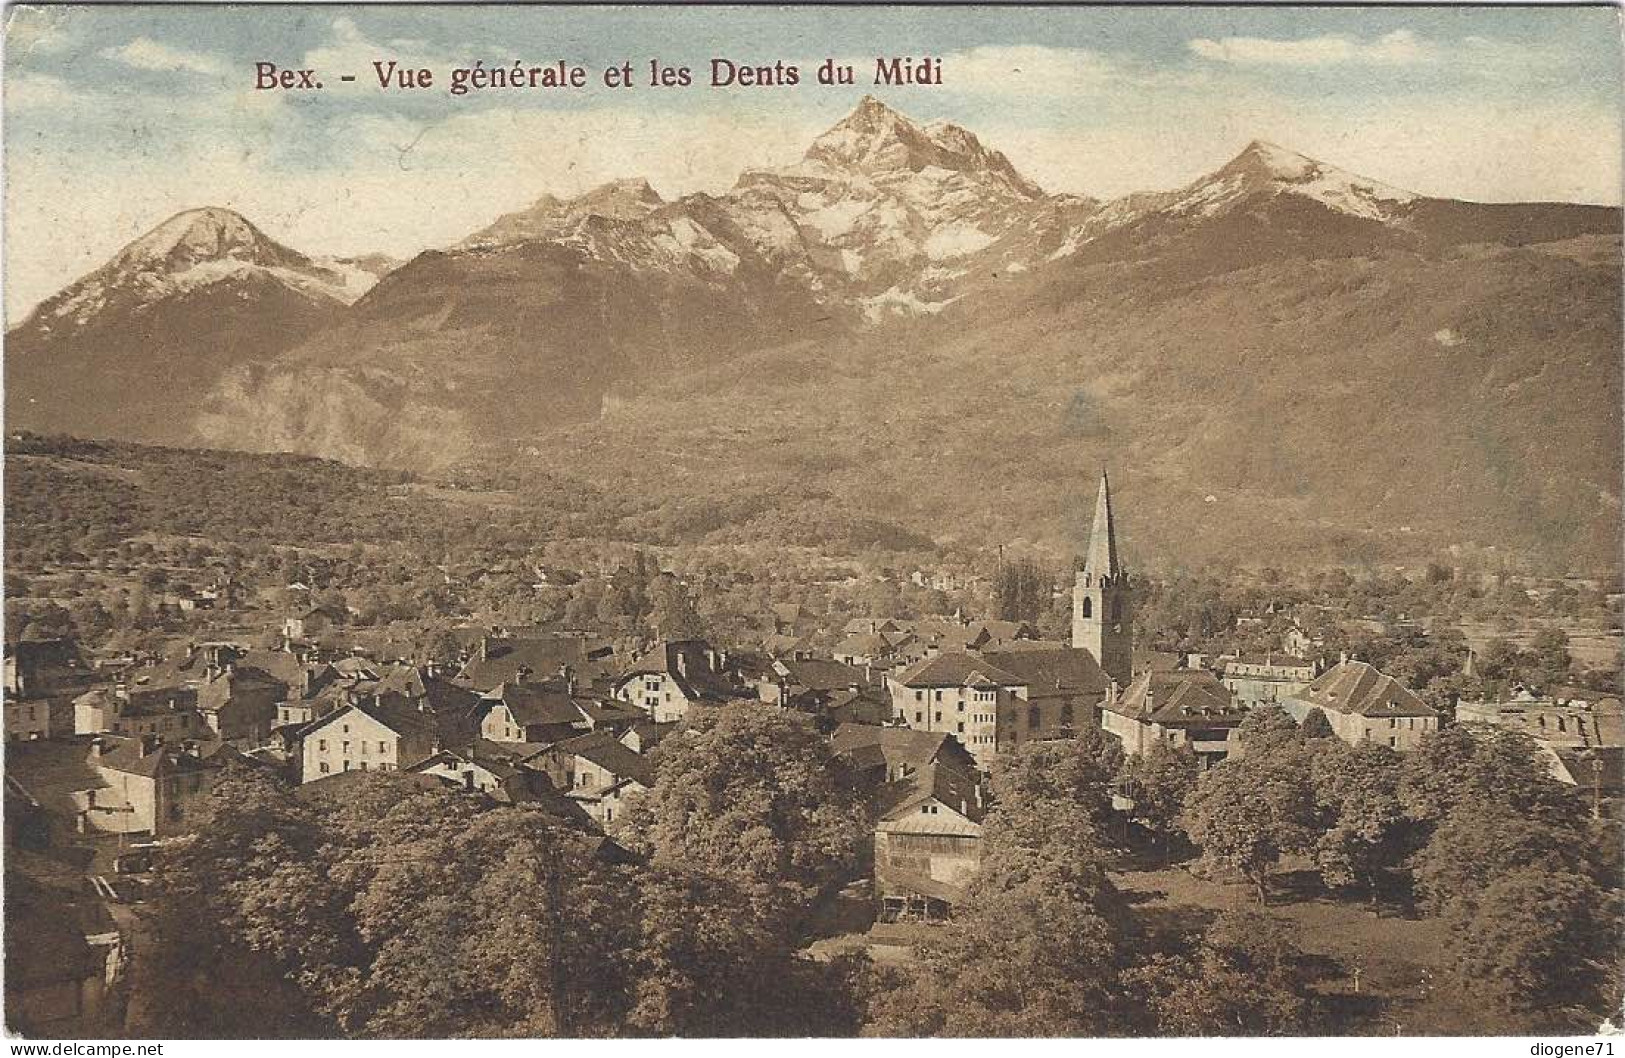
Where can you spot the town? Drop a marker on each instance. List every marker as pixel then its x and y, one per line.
pixel 255 790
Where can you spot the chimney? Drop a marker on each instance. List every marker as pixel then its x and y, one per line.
pixel 468 778
pixel 521 674
pixel 149 743
pixel 682 663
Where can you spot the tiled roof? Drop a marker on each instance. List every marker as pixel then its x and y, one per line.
pixel 896 745
pixel 1358 688
pixel 820 674
pixel 1055 669
pixel 1278 661
pixel 954 787
pixel 537 703
pixel 957 669
pixel 602 749
pixel 1178 697
pixel 543 656
pixel 133 758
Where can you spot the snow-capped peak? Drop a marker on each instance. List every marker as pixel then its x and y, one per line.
pixel 198 235
pixel 1267 168
pixel 548 217
pixel 624 199
pixel 194 250
pixel 874 138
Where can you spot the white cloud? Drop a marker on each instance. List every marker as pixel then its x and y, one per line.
pixel 399 187
pixel 36 90
pixel 1474 150
pixel 144 53
pixel 1401 47
pixel 351 52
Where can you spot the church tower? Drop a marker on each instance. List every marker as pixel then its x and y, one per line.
pixel 1102 615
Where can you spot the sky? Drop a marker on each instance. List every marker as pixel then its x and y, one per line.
pixel 116 117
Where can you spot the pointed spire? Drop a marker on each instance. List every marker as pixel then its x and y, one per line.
pixel 1101 563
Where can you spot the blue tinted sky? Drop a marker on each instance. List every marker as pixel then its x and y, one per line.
pixel 117 117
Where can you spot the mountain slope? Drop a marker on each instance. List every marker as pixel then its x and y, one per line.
pixel 1281 357
pixel 1368 409
pixel 130 349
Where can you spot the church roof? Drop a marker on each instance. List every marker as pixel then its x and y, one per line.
pixel 1102 562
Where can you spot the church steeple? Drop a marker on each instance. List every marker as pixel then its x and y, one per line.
pixel 1102 617
pixel 1101 563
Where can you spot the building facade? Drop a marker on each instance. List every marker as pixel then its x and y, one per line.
pixel 1364 705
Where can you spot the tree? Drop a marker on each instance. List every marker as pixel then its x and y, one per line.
pixel 1315 725
pixel 672 614
pixel 751 795
pixel 1251 809
pixel 1021 590
pixel 1483 839
pixel 1244 977
pixel 1357 788
pixel 1158 781
pixel 1543 941
pixel 1551 653
pixel 1497 661
pixel 239 921
pixel 1467 763
pixel 1035 948
pixel 1077 771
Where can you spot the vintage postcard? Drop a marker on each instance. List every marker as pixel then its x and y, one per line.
pixel 811 521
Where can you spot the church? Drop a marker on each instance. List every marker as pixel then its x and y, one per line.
pixel 1102 604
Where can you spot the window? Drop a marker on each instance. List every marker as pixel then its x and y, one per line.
pixel 1392 722
pixel 919 696
pixel 346 746
pixel 962 706
pixel 346 765
pixel 324 767
pixel 939 716
pixel 938 694
pixel 346 729
pixel 363 747
pixel 1034 717
pixel 1393 741
pixel 363 765
pixel 321 744
pixel 382 748
pixel 1088 607
pixel 609 815
pixel 919 717
pixel 962 727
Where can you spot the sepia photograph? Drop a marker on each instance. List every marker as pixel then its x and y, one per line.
pixel 878 521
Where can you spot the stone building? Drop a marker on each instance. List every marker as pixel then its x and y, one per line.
pixel 1364 705
pixel 1102 603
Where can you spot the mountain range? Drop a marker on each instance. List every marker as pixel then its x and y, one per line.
pixel 901 324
